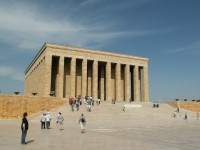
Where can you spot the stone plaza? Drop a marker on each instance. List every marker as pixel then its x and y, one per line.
pixel 108 127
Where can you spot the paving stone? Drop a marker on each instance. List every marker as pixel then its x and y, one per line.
pixel 108 127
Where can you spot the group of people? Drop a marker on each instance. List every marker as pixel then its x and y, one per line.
pixel 185 116
pixel 87 100
pixel 113 101
pixel 45 120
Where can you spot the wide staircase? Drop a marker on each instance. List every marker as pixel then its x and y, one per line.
pixel 108 111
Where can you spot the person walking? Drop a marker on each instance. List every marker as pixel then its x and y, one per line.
pixel 60 120
pixel 177 110
pixel 185 118
pixel 48 120
pixel 82 122
pixel 71 102
pixel 77 104
pixel 24 128
pixel 89 106
pixel 197 116
pixel 43 121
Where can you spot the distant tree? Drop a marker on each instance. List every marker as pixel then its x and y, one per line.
pixel 34 94
pixel 185 100
pixel 177 99
pixel 193 100
pixel 16 93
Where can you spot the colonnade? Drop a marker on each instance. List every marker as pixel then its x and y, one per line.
pixel 105 80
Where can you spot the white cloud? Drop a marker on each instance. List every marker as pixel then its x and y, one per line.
pixel 88 2
pixel 11 73
pixel 27 28
pixel 192 47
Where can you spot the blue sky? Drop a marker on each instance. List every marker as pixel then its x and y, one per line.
pixel 165 31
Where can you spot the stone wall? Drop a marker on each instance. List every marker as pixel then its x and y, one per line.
pixel 193 106
pixel 35 79
pixel 13 106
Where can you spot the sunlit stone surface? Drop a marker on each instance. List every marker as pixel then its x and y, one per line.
pixel 108 127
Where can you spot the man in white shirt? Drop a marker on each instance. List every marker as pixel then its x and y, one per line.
pixel 48 120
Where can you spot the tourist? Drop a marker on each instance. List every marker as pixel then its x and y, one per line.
pixel 89 105
pixel 177 110
pixel 114 101
pixel 123 108
pixel 81 101
pixel 185 118
pixel 43 120
pixel 48 120
pixel 70 101
pixel 174 115
pixel 82 122
pixel 99 101
pixel 197 116
pixel 92 100
pixel 24 128
pixel 60 120
pixel 77 104
pixel 84 100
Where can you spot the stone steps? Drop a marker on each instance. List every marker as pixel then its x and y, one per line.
pixel 108 111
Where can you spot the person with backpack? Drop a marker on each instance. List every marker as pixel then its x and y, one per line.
pixel 82 122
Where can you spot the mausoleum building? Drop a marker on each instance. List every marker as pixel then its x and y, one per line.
pixel 67 71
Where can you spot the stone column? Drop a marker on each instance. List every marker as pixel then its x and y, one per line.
pixel 94 79
pixel 136 84
pixel 61 77
pixel 145 87
pixel 127 83
pixel 89 79
pixel 73 76
pixel 102 80
pixel 47 74
pixel 118 83
pixel 108 81
pixel 84 78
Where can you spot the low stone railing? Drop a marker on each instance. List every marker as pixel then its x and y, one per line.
pixel 193 106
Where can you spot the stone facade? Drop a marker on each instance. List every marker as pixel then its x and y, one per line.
pixel 72 71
